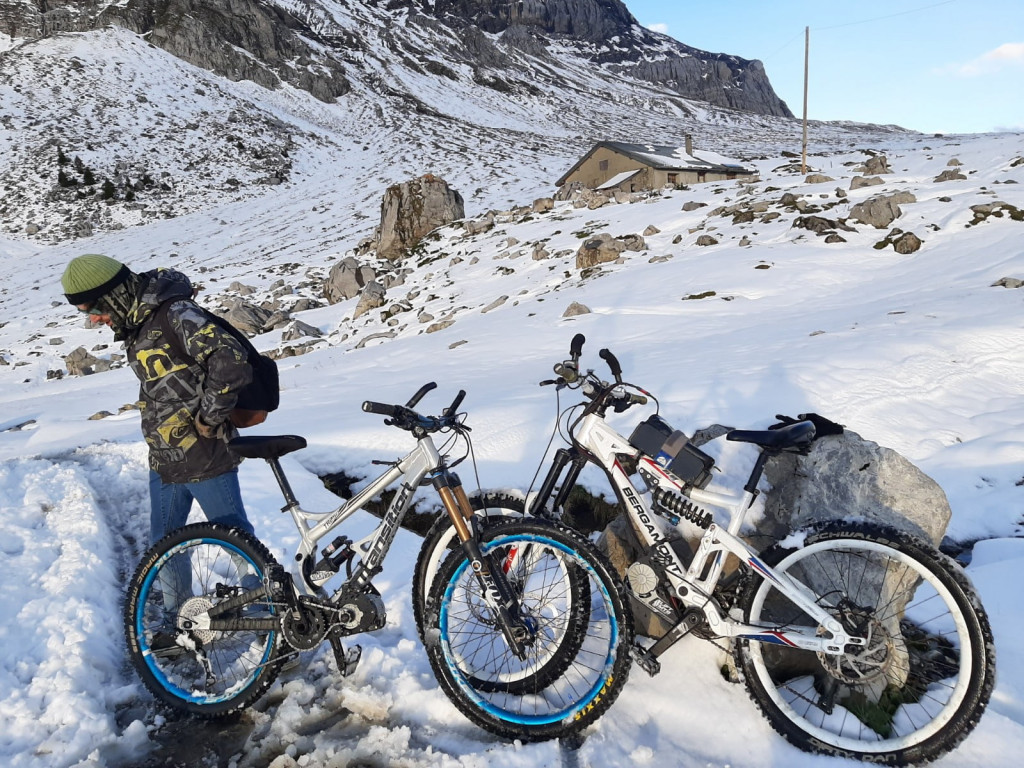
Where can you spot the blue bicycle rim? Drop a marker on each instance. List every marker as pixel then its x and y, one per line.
pixel 567 713
pixel 147 584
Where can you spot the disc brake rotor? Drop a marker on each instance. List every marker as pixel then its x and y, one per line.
pixel 863 664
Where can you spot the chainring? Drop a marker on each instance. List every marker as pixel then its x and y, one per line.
pixel 304 627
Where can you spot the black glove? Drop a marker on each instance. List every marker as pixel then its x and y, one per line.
pixel 822 426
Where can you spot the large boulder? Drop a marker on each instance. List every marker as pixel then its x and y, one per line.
pixel 411 210
pixel 881 211
pixel 848 476
pixel 599 250
pixel 346 279
pixel 248 318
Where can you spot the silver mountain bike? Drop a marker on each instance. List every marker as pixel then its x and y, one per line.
pixel 531 637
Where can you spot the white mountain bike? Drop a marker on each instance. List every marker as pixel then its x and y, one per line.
pixel 853 639
pixel 531 638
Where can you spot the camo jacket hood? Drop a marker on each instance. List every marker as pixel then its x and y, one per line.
pixel 174 390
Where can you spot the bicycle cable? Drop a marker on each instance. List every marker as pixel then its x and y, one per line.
pixel 556 430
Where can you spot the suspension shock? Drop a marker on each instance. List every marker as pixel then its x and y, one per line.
pixel 675 507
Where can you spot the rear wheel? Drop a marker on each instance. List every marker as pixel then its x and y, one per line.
pixel 924 677
pixel 570 596
pixel 202 671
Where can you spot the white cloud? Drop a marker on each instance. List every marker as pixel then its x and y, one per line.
pixel 1005 56
pixel 663 28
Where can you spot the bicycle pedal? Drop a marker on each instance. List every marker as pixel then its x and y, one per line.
pixel 346 660
pixel 646 660
pixel 351 660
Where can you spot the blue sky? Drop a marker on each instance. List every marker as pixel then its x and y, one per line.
pixel 953 66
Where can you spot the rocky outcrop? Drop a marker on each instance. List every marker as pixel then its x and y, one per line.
pixel 723 80
pixel 238 39
pixel 411 210
pixel 302 44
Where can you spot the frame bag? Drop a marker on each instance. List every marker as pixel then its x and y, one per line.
pixel 257 398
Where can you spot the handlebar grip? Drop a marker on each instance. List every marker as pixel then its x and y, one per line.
pixel 576 346
pixel 420 393
pixel 452 409
pixel 613 364
pixel 382 408
pixel 638 399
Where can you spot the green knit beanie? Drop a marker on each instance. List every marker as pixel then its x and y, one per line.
pixel 88 277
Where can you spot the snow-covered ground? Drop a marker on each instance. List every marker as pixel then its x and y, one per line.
pixel 921 353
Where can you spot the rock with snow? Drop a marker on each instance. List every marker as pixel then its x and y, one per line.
pixel 371 297
pixel 881 211
pixel 298 329
pixel 857 182
pixel 80 362
pixel 575 309
pixel 411 210
pixel 346 279
pixel 599 250
pixel 907 243
pixel 847 476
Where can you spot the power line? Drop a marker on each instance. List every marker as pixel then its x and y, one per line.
pixel 855 23
pixel 888 16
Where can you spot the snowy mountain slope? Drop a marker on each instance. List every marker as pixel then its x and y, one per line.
pixel 174 138
pixel 919 352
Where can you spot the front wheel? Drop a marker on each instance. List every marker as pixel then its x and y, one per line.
pixel 475 666
pixel 441 539
pixel 202 671
pixel 915 689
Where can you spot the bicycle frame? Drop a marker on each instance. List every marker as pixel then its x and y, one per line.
pixel 694 584
pixel 423 461
pixel 314 526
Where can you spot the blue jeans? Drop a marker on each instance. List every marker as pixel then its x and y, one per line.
pixel 170 503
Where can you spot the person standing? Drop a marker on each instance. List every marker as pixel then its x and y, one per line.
pixel 186 402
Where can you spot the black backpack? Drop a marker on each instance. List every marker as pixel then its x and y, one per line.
pixel 259 396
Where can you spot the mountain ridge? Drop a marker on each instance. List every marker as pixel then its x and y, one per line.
pixel 316 45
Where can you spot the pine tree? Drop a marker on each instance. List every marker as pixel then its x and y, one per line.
pixel 62 159
pixel 64 181
pixel 109 190
pixel 87 177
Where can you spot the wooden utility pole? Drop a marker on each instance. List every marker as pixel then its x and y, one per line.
pixel 807 56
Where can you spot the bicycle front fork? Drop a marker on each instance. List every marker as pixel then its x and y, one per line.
pixel 497 592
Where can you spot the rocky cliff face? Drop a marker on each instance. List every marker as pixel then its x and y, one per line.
pixel 320 46
pixel 238 39
pixel 590 20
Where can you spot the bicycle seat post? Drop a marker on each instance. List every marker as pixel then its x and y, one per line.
pixel 282 481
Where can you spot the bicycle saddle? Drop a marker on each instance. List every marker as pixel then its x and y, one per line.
pixel 268 447
pixel 798 435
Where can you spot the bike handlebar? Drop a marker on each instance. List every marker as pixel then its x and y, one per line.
pixel 454 407
pixel 404 417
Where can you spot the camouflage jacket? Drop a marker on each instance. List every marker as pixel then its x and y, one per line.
pixel 174 390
